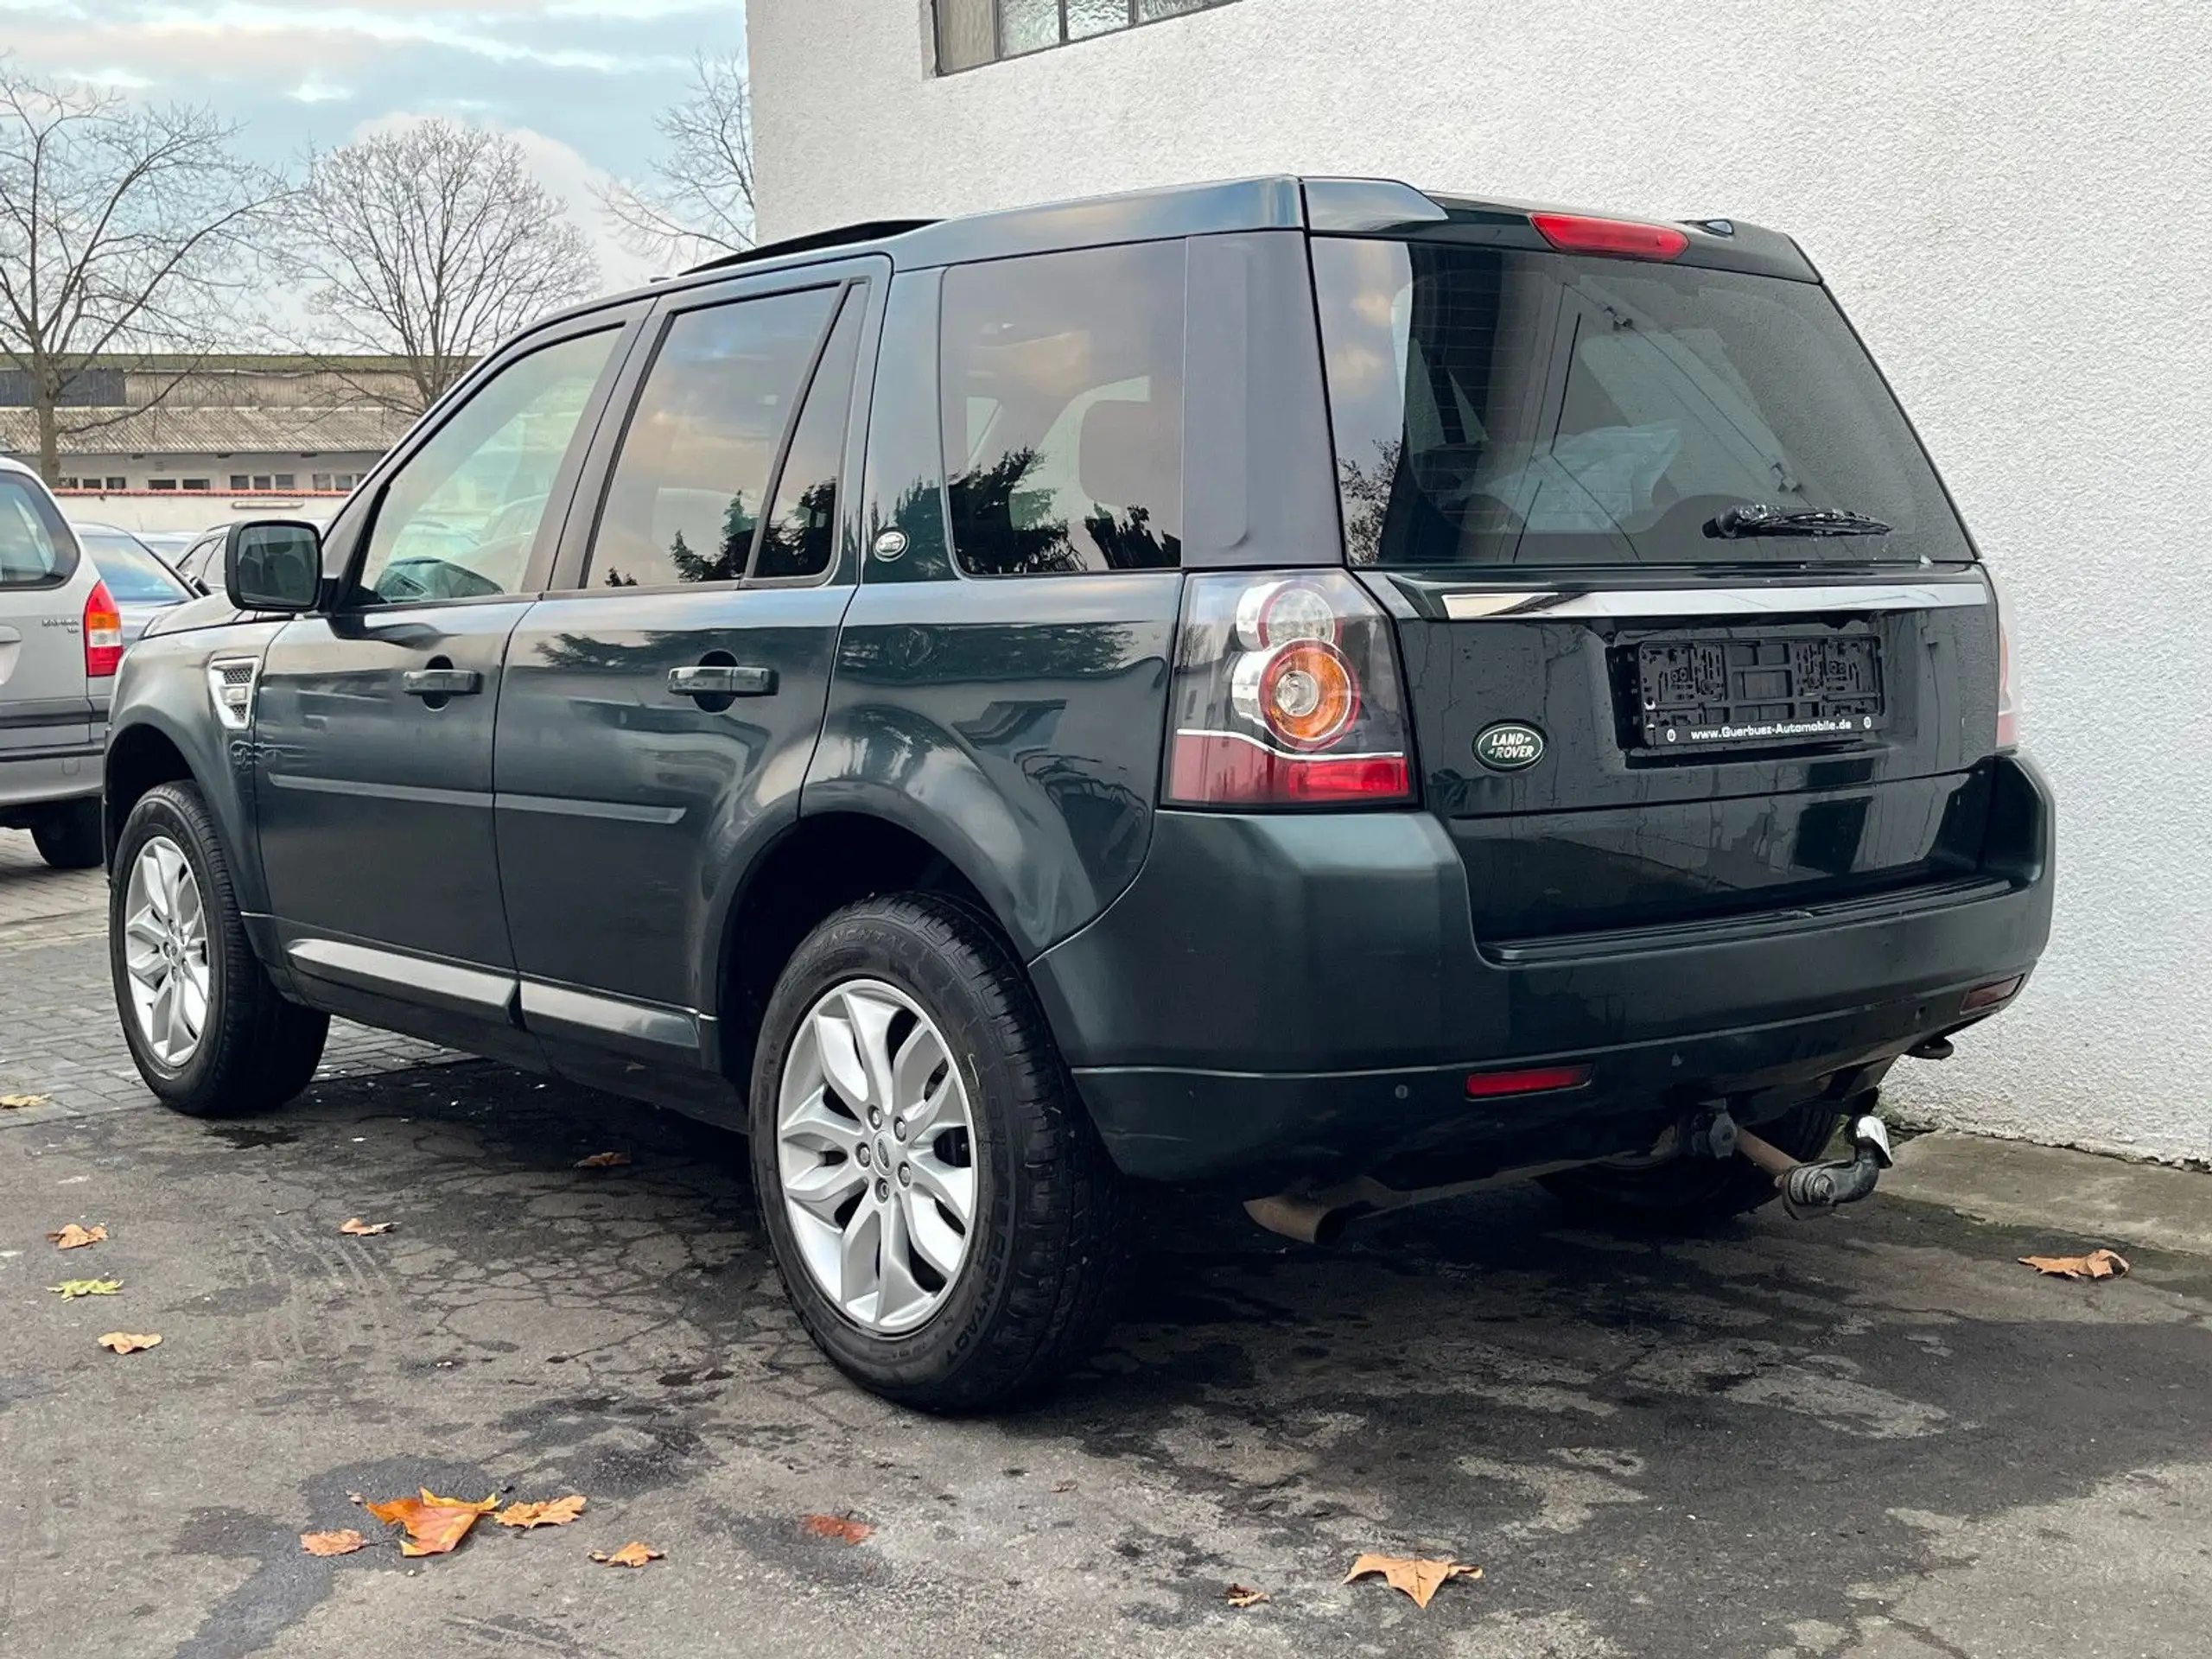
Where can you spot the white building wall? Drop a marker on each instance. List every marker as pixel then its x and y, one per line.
pixel 2013 199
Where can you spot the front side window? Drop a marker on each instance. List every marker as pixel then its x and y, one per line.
pixel 972 32
pixel 459 518
pixel 685 499
pixel 1494 407
pixel 1063 410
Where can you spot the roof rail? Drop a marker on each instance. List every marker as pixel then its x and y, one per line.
pixel 870 230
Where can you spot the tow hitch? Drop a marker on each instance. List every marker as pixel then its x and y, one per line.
pixel 1815 1189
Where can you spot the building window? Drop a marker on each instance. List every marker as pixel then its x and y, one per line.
pixel 286 481
pixel 240 481
pixel 113 483
pixel 261 481
pixel 196 484
pixel 972 32
pixel 161 483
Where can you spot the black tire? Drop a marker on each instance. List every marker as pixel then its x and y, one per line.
pixel 69 838
pixel 256 1050
pixel 1048 1247
pixel 1694 1194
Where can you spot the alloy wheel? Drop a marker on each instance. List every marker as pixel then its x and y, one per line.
pixel 165 950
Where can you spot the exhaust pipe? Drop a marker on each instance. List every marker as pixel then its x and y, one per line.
pixel 1811 1188
pixel 1319 1217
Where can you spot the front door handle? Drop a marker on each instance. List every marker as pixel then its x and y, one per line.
pixel 722 680
pixel 441 682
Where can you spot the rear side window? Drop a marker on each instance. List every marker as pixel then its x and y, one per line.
pixel 36 550
pixel 1499 408
pixel 689 488
pixel 1062 389
pixel 801 531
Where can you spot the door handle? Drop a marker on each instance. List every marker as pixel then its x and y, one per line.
pixel 721 680
pixel 441 682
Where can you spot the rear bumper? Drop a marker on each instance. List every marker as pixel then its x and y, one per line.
pixel 1290 995
pixel 51 772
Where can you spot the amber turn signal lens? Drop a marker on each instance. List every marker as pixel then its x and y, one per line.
pixel 1308 695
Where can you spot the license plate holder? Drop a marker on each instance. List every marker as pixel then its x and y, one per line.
pixel 1736 690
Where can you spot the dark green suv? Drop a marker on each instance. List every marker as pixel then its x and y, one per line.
pixel 1301 687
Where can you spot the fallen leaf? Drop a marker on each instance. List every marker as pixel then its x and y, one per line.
pixel 1418 1579
pixel 73 1237
pixel 631 1554
pixel 70 1289
pixel 2098 1264
pixel 1238 1595
pixel 433 1525
pixel 360 1229
pixel 123 1342
pixel 1063 1485
pixel 17 1102
pixel 342 1542
pixel 555 1512
pixel 604 1161
pixel 842 1528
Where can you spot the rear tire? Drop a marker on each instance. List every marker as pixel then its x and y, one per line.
pixel 1042 1254
pixel 68 837
pixel 1694 1194
pixel 253 1050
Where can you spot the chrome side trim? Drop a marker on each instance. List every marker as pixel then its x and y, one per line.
pixel 648 1028
pixel 1778 599
pixel 407 979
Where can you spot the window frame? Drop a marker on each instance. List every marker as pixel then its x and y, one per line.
pixel 865 282
pixel 346 545
pixel 1000 54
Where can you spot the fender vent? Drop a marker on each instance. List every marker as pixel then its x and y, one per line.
pixel 230 685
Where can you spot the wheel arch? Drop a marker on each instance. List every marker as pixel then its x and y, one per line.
pixel 149 749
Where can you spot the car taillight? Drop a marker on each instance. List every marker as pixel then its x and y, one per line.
pixel 1623 238
pixel 1286 694
pixel 102 633
pixel 2008 701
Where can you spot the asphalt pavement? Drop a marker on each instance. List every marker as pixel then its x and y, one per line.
pixel 1874 1436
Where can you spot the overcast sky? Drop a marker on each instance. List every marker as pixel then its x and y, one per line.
pixel 578 81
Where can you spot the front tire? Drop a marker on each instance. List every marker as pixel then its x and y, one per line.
pixel 210 1034
pixel 69 838
pixel 1691 1195
pixel 947 1224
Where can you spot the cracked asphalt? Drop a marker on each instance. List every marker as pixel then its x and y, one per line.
pixel 1874 1436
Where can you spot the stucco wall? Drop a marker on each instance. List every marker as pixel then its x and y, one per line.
pixel 2012 198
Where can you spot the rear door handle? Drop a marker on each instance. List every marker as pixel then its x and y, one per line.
pixel 441 682
pixel 721 680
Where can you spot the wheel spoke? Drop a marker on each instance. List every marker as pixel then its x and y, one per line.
pixel 821 1189
pixel 191 917
pixel 858 1277
pixel 871 1017
pixel 953 1186
pixel 141 927
pixel 920 1057
pixel 900 1290
pixel 933 1239
pixel 820 1127
pixel 840 1057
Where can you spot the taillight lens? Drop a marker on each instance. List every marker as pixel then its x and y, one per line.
pixel 1286 694
pixel 102 633
pixel 2008 701
pixel 1622 239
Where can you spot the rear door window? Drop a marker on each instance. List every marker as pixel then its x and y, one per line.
pixel 35 549
pixel 1499 408
pixel 1063 416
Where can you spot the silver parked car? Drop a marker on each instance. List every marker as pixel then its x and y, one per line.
pixel 61 643
pixel 142 581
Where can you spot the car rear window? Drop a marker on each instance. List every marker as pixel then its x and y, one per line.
pixel 1496 407
pixel 134 573
pixel 36 550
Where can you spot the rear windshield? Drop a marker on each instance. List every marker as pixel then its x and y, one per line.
pixel 35 548
pixel 1509 408
pixel 133 571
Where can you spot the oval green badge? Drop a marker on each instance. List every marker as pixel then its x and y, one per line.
pixel 1509 745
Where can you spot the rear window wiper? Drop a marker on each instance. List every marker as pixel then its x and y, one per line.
pixel 1754 519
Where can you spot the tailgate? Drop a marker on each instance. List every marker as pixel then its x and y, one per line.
pixel 42 690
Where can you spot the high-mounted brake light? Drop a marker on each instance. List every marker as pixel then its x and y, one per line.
pixel 102 633
pixel 1623 238
pixel 1286 694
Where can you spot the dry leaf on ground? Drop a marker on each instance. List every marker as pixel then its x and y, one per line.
pixel 123 1342
pixel 18 1103
pixel 554 1512
pixel 360 1229
pixel 433 1525
pixel 2098 1264
pixel 342 1542
pixel 1418 1579
pixel 1063 1485
pixel 1238 1595
pixel 631 1554
pixel 70 1289
pixel 73 1237
pixel 604 1161
pixel 842 1528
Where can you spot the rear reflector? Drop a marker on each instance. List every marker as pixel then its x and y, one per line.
pixel 1534 1080
pixel 1227 769
pixel 1623 239
pixel 1986 996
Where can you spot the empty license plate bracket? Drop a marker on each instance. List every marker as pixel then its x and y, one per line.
pixel 1737 689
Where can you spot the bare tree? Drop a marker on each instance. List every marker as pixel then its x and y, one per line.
pixel 700 200
pixel 430 245
pixel 124 230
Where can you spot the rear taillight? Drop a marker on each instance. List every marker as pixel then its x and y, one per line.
pixel 102 633
pixel 1286 694
pixel 1622 239
pixel 2008 702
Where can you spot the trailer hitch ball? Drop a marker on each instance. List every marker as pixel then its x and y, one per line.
pixel 1813 1189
